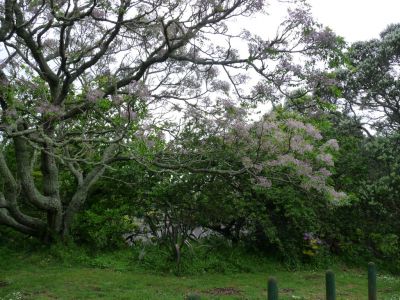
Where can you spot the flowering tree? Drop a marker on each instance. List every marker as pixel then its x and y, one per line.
pixel 88 83
pixel 243 178
pixel 280 147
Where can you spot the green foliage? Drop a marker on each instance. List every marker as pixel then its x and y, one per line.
pixel 260 221
pixel 273 220
pixel 104 228
pixel 386 244
pixel 213 256
pixel 367 227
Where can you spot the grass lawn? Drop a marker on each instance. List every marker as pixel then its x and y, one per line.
pixel 48 280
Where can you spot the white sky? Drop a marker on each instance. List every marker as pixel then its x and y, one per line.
pixel 356 19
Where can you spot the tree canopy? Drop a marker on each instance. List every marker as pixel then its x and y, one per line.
pixel 88 84
pixel 115 113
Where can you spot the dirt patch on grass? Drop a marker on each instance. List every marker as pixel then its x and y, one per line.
pixel 95 288
pixel 313 276
pixel 43 295
pixel 4 283
pixel 227 291
pixel 287 290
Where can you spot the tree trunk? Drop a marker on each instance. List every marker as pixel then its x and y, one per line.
pixel 58 218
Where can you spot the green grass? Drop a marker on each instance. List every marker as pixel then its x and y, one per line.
pixel 40 276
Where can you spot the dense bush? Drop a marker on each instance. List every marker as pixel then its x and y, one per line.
pixel 283 221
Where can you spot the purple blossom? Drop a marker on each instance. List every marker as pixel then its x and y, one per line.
pixel 247 163
pixel 325 38
pixel 294 124
pixel 94 95
pixel 301 16
pixel 315 181
pixel 258 167
pixel 138 89
pixel 265 127
pixel 308 128
pixel 312 238
pixel 313 132
pixel 336 196
pixel 263 182
pixel 117 99
pixel 150 143
pixel 48 108
pixel 320 79
pixel 220 85
pixel 12 112
pixel 212 72
pixel 97 13
pixel 298 144
pixel 326 158
pixel 262 89
pixel 302 168
pixel 241 129
pixel 289 66
pixel 331 144
pixel 132 87
pixel 256 5
pixel 49 16
pixel 270 146
pixel 129 114
pixel 308 236
pixel 325 172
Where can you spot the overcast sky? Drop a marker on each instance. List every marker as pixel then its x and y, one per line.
pixel 356 19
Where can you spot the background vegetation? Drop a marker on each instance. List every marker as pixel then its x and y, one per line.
pixel 117 171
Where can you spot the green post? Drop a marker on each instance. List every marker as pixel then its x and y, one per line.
pixel 272 289
pixel 330 285
pixel 371 281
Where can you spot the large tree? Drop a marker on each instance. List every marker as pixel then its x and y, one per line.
pixel 370 81
pixel 87 83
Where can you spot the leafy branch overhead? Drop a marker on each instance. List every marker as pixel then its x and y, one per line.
pixel 86 84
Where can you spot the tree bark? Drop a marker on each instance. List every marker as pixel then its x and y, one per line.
pixel 80 195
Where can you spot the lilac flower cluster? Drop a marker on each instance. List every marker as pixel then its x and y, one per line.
pixel 266 127
pixel 312 244
pixel 308 128
pixel 263 182
pixel 325 38
pixel 129 114
pixel 48 108
pixel 301 16
pixel 220 85
pixel 299 144
pixel 302 167
pixel 97 13
pixel 326 158
pixel 336 197
pixel 138 89
pixel 279 143
pixel 310 236
pixel 289 66
pixel 94 95
pixel 247 162
pixel 117 99
pixel 331 144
